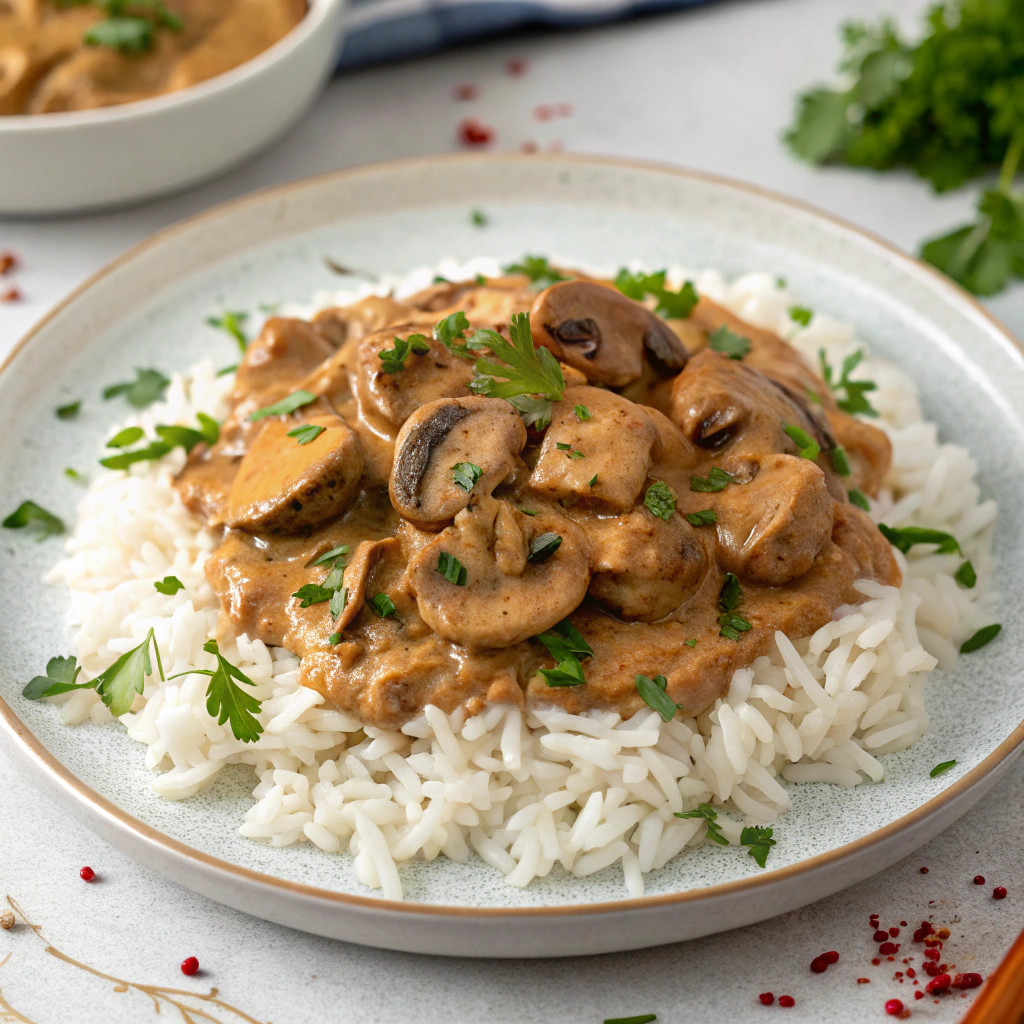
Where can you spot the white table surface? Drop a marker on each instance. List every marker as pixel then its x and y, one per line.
pixel 710 89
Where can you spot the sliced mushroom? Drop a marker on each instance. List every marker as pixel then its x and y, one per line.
pixel 643 567
pixel 602 332
pixel 283 486
pixel 486 434
pixel 345 324
pixel 357 573
pixel 771 530
pixel 868 450
pixel 513 588
pixel 280 358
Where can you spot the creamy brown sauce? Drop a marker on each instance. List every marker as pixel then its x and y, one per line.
pixel 47 65
pixel 642 590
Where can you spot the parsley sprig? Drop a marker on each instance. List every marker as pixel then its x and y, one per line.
pixel 28 513
pixel 392 360
pixel 757 838
pixel 809 448
pixel 729 343
pixel 566 645
pixel 541 274
pixel 853 398
pixel 675 305
pixel 232 323
pixel 169 437
pixel 148 386
pixel 652 692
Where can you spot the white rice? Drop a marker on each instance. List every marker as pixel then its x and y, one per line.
pixel 528 792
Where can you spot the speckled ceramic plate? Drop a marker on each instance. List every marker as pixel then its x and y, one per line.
pixel 145 309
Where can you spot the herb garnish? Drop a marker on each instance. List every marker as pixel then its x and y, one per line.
pixel 840 463
pixel 526 511
pixel 905 537
pixel 691 643
pixel 714 481
pixel 466 475
pixel 148 386
pixel 451 569
pixel 392 360
pixel 705 517
pixel 477 218
pixel 334 638
pixel 170 437
pixel 565 644
pixel 169 585
pixel 982 637
pixel 853 400
pixel 296 400
pixel 858 498
pixel 729 599
pixel 69 411
pixel 313 593
pixel 660 500
pixel 652 692
pixel 541 274
pixel 449 329
pixel 329 556
pixel 941 769
pixel 383 605
pixel 61 676
pixel 582 412
pixel 800 315
pixel 127 32
pixel 592 481
pixel 118 684
pixel 966 576
pixel 28 513
pixel 232 324
pixel 674 305
pixel 571 452
pixel 306 432
pixel 729 343
pixel 126 437
pixel 543 547
pixel 73 474
pixel 809 448
pixel 759 839
pixel 643 1018
pixel 710 816
pixel 225 700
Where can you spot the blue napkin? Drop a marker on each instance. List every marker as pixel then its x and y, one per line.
pixel 386 30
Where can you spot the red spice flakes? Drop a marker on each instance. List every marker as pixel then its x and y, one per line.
pixel 903 924
pixel 919 994
pixel 767 998
pixel 8 261
pixel 466 91
pixel 979 879
pixel 926 929
pixel 475 133
pixel 516 66
pixel 933 953
pixel 787 1001
pixel 548 111
pixel 875 960
pixel 820 964
pixel 863 981
pixel 970 980
pixel 911 973
pixel 86 874
pixel 940 983
pixel 888 948
pixel 924 871
pixel 880 936
pixel 893 1007
pixel 190 966
pixel 999 892
pixel 11 295
pixel 894 932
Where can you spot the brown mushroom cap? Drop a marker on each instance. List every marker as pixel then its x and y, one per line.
pixel 485 432
pixel 602 332
pixel 505 598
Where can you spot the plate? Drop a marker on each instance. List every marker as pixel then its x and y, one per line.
pixel 148 308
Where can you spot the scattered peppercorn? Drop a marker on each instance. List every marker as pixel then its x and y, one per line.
pixel 11 295
pixel 516 66
pixel 880 936
pixel 863 981
pixel 86 874
pixel 888 948
pixel 999 892
pixel 7 920
pixel 475 133
pixel 893 1007
pixel 924 871
pixel 8 261
pixel 190 966
pixel 919 994
pixel 979 879
pixel 787 1001
pixel 940 983
pixel 894 932
pixel 767 998
pixel 970 980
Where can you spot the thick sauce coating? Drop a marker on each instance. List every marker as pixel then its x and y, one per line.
pixel 460 530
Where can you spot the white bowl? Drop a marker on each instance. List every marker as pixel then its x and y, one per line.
pixel 83 160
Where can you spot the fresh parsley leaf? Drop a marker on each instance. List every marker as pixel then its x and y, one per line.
pixel 800 315
pixel 852 400
pixel 334 638
pixel 809 448
pixel 28 513
pixel 73 474
pixel 466 475
pixel 729 599
pixel 225 370
pixel 125 33
pixel 61 676
pixel 451 328
pixel 538 270
pixel 306 432
pixel 652 692
pixel 822 127
pixel 716 480
pixel 169 585
pixel 840 463
pixel 543 547
pixel 673 305
pixel 660 500
pixel 313 593
pixel 231 323
pixel 941 769
pixel 565 673
pixel 984 635
pixel 759 840
pixel 296 400
pixel 705 517
pixel 729 343
pixel 526 511
pixel 858 498
pixel 118 684
pixel 383 605
pixel 148 386
pixel 451 569
pixel 339 599
pixel 692 642
pixel 564 641
pixel 710 816
pixel 534 412
pixel 582 412
pixel 592 481
pixel 392 360
pixel 905 537
pixel 227 702
pixel 477 218
pixel 154 450
pixel 733 625
pixel 524 369
pixel 69 411
pixel 966 576
pixel 329 556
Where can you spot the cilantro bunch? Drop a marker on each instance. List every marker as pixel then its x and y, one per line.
pixel 951 108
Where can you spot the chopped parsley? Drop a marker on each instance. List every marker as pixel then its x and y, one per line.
pixel 538 270
pixel 592 481
pixel 313 593
pixel 383 605
pixel 652 692
pixel 809 448
pixel 339 601
pixel 526 511
pixel 296 400
pixel 692 642
pixel 566 645
pixel 716 480
pixel 148 386
pixel 477 218
pixel 69 411
pixel 705 517
pixel 226 701
pixel 73 474
pixel 28 513
pixel 858 498
pixel 451 569
pixel 729 343
pixel 642 1018
pixel 126 437
pixel 61 676
pixel 966 576
pixel 710 816
pixel 984 635
pixel 154 450
pixel 543 547
pixel 225 370
pixel 941 769
pixel 840 463
pixel 729 599
pixel 170 437
pixel 334 638
pixel 392 360
pixel 570 451
pixel 306 432
pixel 329 556
pixel 800 315
pixel 582 412
pixel 451 328
pixel 169 585
pixel 905 537
pixel 466 475
pixel 853 398
pixel 660 500
pixel 759 840
pixel 674 305
pixel 231 323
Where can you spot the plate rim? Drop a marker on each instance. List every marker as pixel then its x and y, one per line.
pixel 22 741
